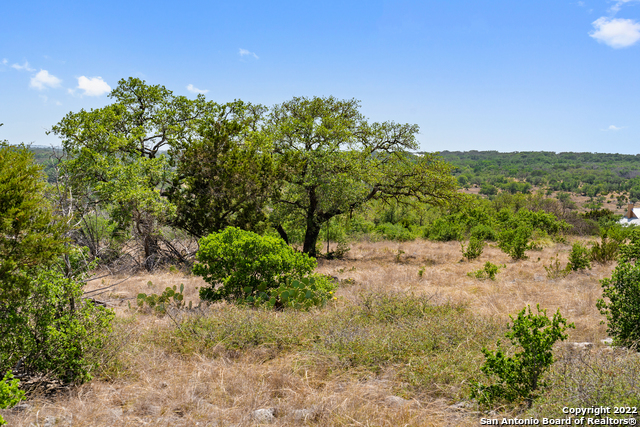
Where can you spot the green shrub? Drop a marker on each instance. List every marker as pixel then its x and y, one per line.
pixel 55 330
pixel 299 294
pixel 554 271
pixel 579 258
pixel 519 376
pixel 46 327
pixel 484 232
pixel 489 271
pixel 607 250
pixel 394 232
pixel 443 230
pixel 170 297
pixel 515 241
pixel 238 264
pixel 10 394
pixel 473 249
pixel 622 290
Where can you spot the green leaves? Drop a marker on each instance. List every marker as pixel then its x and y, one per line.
pixel 30 234
pixel 515 241
pixel 333 161
pixel 45 323
pixel 170 297
pixel 225 175
pixel 10 394
pixel 115 154
pixel 620 301
pixel 519 376
pixel 299 294
pixel 241 265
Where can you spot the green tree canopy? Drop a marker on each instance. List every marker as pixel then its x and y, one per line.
pixel 45 325
pixel 224 176
pixel 333 161
pixel 115 154
pixel 29 234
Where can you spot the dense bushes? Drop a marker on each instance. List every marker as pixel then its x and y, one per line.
pixel 46 327
pixel 240 264
pixel 621 296
pixel 53 330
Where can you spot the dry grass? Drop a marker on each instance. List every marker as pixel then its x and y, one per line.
pixel 154 381
pixel 373 266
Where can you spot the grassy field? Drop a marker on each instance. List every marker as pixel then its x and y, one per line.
pixel 397 346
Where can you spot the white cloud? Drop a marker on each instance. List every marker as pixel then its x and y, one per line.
pixel 44 79
pixel 4 61
pixel 245 52
pixel 613 128
pixel 19 67
pixel 191 88
pixel 93 86
pixel 617 33
pixel 616 7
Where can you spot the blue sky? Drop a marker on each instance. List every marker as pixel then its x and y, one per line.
pixel 549 75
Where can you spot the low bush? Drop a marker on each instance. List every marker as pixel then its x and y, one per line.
pixel 554 271
pixel 10 394
pixel 579 258
pixel 443 230
pixel 298 294
pixel 394 232
pixel 518 377
pixel 54 330
pixel 484 232
pixel 170 297
pixel 489 271
pixel 515 241
pixel 606 250
pixel 474 248
pixel 238 264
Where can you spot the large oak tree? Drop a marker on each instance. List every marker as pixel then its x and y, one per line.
pixel 115 154
pixel 333 161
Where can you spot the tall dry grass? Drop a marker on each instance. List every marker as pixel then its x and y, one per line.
pixel 152 376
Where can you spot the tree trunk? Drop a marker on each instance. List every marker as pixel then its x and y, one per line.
pixel 311 237
pixel 282 233
pixel 313 225
pixel 151 249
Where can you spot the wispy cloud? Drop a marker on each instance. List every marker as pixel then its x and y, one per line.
pixel 618 5
pixel 191 88
pixel 615 32
pixel 4 61
pixel 93 86
pixel 19 67
pixel 43 80
pixel 245 52
pixel 613 128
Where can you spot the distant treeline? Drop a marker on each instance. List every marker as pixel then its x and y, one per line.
pixel 47 157
pixel 589 174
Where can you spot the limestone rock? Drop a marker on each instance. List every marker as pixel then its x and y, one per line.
pixel 264 415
